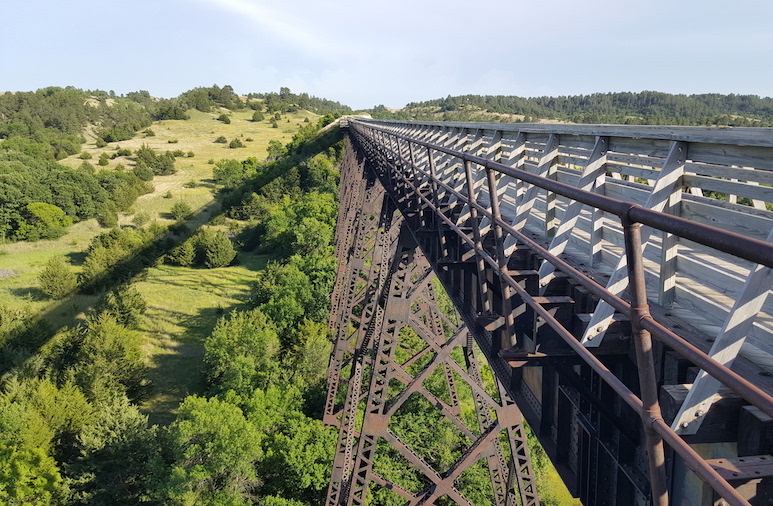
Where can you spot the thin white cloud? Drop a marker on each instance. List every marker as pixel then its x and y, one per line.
pixel 303 38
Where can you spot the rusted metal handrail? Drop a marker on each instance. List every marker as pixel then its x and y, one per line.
pixel 632 216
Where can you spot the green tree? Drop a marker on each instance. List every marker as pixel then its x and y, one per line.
pixel 311 236
pixel 126 304
pixel 224 118
pixel 109 361
pixel 241 353
pixel 104 159
pixel 217 248
pixel 87 167
pixel 184 254
pixel 44 221
pixel 258 116
pixel 181 210
pixel 275 149
pixel 28 473
pixel 230 173
pixel 57 279
pixel 143 172
pixel 214 451
pixel 298 450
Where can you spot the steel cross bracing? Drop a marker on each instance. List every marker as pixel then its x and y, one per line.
pixel 385 299
pixel 469 193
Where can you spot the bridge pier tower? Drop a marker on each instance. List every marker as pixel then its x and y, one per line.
pixel 419 415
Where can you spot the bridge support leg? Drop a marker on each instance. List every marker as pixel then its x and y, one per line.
pixel 403 365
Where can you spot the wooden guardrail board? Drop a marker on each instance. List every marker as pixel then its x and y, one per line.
pixel 734 164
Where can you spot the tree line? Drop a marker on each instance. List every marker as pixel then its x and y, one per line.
pixel 647 107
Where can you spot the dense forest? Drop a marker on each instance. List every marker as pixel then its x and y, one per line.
pixel 645 108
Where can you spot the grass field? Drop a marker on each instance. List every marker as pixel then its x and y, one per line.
pixel 183 303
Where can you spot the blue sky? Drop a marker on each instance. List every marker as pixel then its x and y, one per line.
pixel 364 53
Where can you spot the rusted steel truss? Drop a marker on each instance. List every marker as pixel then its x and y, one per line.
pixel 495 273
pixel 393 343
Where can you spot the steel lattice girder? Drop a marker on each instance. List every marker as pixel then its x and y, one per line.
pixel 385 287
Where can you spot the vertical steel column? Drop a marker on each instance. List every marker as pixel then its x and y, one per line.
pixel 645 362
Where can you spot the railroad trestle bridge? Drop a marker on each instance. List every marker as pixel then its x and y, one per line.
pixel 616 281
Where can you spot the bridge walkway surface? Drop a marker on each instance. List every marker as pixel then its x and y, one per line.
pixel 616 279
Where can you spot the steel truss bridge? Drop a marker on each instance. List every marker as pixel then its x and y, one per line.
pixel 616 281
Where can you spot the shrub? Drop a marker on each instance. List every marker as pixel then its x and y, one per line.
pixel 224 118
pixel 274 124
pixel 258 116
pixel 57 279
pixel 172 141
pixel 107 217
pixel 177 153
pixel 85 155
pixel 181 210
pixel 143 172
pixel 218 220
pixel 190 154
pixel 124 152
pixel 221 140
pixel 101 143
pixel 184 254
pixel 104 159
pixel 140 220
pixel 168 195
pixel 191 184
pixel 248 139
pixel 87 167
pixel 236 143
pixel 149 133
pixel 125 304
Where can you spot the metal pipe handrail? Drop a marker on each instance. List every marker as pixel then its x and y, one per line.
pixel 738 245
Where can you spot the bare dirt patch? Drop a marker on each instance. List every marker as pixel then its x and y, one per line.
pixel 7 273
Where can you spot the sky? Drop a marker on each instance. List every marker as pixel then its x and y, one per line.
pixel 363 53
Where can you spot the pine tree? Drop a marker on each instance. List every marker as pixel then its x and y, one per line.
pixel 218 250
pixel 57 279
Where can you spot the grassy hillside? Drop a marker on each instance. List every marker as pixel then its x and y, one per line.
pixel 183 303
